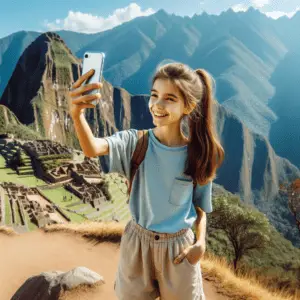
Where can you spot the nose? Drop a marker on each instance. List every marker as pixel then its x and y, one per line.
pixel 158 102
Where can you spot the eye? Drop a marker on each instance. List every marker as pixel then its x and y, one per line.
pixel 154 95
pixel 171 99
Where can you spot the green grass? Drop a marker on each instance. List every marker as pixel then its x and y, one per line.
pixel 10 175
pixel 25 168
pixel 127 216
pixel 88 211
pixel 56 196
pixel 31 226
pixel 119 198
pixel 7 211
pixel 117 203
pixel 17 214
pixel 106 213
pixel 78 206
pixel 76 218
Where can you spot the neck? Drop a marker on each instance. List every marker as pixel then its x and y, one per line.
pixel 171 136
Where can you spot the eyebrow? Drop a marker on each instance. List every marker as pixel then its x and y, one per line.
pixel 153 90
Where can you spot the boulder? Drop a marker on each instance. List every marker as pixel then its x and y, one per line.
pixel 50 285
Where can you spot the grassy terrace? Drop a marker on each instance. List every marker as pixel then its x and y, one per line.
pixel 77 212
pixel 117 205
pixel 8 218
pixel 10 175
pixel 17 214
pixel 56 196
pixel 7 211
pixel 119 198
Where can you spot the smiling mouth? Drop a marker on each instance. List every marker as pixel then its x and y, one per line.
pixel 157 115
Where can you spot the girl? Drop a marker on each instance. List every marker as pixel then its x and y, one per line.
pixel 159 253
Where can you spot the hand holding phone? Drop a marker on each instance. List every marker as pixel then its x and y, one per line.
pixel 93 60
pixel 85 92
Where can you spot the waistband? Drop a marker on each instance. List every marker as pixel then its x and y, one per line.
pixel 158 236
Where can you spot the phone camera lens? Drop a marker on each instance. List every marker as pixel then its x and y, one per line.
pixel 86 56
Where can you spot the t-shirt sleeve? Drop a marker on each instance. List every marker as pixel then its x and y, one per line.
pixel 121 147
pixel 203 197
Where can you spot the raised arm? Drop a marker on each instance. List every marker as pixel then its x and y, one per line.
pixel 90 145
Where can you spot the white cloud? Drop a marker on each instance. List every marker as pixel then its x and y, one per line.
pixel 254 3
pixel 277 14
pixel 87 23
pixel 260 3
pixel 240 7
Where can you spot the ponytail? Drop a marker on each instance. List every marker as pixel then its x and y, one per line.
pixel 205 153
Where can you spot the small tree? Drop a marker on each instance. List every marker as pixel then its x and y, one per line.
pixel 246 228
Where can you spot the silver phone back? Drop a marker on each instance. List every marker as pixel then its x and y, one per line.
pixel 95 60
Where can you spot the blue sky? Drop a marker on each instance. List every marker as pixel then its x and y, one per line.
pixel 92 16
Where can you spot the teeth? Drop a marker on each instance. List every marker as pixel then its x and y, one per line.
pixel 159 115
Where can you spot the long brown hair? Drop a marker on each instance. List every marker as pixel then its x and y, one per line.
pixel 205 152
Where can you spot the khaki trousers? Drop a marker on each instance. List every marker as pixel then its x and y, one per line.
pixel 146 268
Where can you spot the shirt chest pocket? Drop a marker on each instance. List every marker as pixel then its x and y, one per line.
pixel 181 191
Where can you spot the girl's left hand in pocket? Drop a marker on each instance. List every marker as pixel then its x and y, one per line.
pixel 193 253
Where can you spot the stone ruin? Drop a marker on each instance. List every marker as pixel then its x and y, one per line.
pixel 45 147
pixel 41 212
pixel 67 170
pixel 83 179
pixel 87 192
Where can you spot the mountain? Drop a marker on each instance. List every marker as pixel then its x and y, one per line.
pixel 9 124
pixel 247 53
pixel 285 133
pixel 37 94
pixel 11 48
pixel 241 50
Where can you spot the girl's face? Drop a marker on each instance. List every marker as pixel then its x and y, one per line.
pixel 166 100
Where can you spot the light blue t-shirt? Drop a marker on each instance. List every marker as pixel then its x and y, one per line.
pixel 161 195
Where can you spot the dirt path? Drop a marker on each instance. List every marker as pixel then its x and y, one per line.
pixel 35 252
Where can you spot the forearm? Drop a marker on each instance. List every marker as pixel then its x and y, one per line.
pixel 84 134
pixel 200 226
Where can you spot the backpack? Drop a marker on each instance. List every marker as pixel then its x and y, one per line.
pixel 138 156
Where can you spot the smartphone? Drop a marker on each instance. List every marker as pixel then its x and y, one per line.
pixel 93 60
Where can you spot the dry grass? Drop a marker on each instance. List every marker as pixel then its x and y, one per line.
pixel 106 231
pixel 7 231
pixel 214 269
pixel 80 292
pixel 217 270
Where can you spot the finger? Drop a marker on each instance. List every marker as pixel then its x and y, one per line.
pixel 87 98
pixel 87 106
pixel 83 78
pixel 180 257
pixel 85 88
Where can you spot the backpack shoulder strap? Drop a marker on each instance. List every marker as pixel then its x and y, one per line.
pixel 138 154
